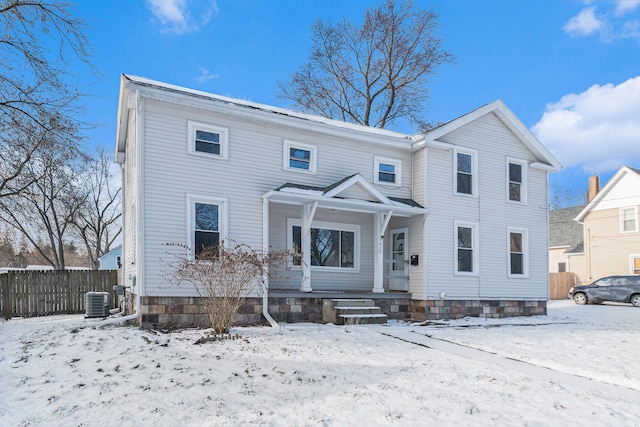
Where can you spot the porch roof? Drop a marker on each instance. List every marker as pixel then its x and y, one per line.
pixel 335 196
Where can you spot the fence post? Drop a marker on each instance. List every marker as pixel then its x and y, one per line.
pixel 6 297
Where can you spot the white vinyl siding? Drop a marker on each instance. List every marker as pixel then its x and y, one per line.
pixel 491 210
pixel 250 171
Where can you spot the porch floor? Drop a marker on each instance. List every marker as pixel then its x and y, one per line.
pixel 283 293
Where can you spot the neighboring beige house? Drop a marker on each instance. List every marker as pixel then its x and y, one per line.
pixel 610 228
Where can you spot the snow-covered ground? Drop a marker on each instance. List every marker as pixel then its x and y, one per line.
pixel 578 366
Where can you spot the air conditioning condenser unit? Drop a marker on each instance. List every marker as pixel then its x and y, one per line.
pixel 97 304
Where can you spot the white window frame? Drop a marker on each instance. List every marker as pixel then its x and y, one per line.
pixel 631 266
pixel 566 265
pixel 525 252
pixel 397 163
pixel 635 219
pixel 193 126
pixel 474 171
pixel 287 145
pixel 475 248
pixel 338 226
pixel 223 221
pixel 523 184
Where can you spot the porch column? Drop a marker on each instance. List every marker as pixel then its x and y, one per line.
pixel 308 211
pixel 380 223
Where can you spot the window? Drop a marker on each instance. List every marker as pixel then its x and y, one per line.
pixel 299 157
pixel 561 267
pixel 466 259
pixel 118 260
pixel 635 264
pixel 465 172
pixel 628 220
pixel 332 245
pixel 208 139
pixel 518 253
pixel 516 181
pixel 387 171
pixel 207 223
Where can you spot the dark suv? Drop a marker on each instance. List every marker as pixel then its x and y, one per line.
pixel 612 288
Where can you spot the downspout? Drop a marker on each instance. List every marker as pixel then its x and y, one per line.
pixel 265 249
pixel 123 319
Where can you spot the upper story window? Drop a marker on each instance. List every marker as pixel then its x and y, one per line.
pixel 517 181
pixel 299 157
pixel 629 219
pixel 466 257
pixel 465 170
pixel 518 252
pixel 207 219
pixel 208 139
pixel 387 171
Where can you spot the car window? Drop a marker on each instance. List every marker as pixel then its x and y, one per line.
pixel 603 282
pixel 621 281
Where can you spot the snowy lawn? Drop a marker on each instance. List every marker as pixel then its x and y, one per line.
pixel 581 368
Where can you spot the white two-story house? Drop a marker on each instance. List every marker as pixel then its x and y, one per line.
pixel 445 224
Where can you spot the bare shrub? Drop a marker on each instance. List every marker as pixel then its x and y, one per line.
pixel 224 276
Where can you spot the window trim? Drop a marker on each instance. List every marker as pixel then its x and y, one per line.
pixel 474 171
pixel 193 126
pixel 525 252
pixel 286 157
pixel 635 219
pixel 631 264
pixel 223 223
pixel 327 225
pixel 475 248
pixel 523 184
pixel 566 265
pixel 397 163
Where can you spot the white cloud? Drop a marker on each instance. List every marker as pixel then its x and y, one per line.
pixel 584 23
pixel 182 16
pixel 597 130
pixel 205 75
pixel 626 6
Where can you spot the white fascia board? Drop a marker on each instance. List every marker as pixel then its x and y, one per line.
pixel 602 193
pixel 122 119
pixel 264 113
pixel 349 205
pixel 358 179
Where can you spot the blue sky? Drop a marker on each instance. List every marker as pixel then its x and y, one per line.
pixel 569 69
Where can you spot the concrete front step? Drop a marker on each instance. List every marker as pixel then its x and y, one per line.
pixel 359 319
pixel 351 311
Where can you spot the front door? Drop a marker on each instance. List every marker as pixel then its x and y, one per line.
pixel 399 262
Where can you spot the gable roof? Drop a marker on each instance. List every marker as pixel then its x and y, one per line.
pixel 132 87
pixel 624 170
pixel 330 196
pixel 564 231
pixel 546 160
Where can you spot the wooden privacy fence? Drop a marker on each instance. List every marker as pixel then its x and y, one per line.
pixel 42 293
pixel 559 284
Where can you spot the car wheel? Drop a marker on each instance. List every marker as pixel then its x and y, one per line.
pixel 580 299
pixel 635 300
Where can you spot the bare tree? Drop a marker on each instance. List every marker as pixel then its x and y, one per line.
pixel 43 212
pixel 224 275
pixel 373 74
pixel 37 39
pixel 97 222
